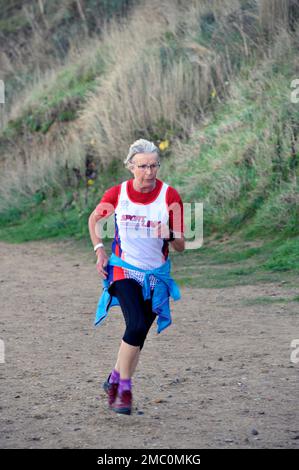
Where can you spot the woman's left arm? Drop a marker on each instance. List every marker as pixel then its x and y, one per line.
pixel 176 219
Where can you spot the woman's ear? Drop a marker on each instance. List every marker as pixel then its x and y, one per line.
pixel 130 168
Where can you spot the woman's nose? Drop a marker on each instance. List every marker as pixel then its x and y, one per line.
pixel 148 168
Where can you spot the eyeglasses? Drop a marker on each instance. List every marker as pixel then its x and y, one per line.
pixel 153 166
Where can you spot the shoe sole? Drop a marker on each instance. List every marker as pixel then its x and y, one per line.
pixel 122 411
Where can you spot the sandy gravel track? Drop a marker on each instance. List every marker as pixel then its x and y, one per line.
pixel 220 376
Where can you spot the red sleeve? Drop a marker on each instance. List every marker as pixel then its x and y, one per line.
pixel 108 202
pixel 176 210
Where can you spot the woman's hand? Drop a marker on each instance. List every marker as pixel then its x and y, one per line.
pixel 102 262
pixel 177 243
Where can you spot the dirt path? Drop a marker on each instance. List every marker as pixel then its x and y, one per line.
pixel 220 376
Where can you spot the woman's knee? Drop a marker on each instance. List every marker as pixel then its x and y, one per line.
pixel 135 336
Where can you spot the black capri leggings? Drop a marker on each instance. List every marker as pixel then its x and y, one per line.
pixel 137 312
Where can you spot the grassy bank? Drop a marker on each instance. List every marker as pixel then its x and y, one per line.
pixel 236 262
pixel 213 84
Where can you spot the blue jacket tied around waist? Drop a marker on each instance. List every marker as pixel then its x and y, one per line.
pixel 164 289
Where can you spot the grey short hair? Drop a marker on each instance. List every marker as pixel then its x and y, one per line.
pixel 141 146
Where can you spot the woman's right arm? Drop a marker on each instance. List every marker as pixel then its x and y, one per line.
pixel 103 210
pixel 102 257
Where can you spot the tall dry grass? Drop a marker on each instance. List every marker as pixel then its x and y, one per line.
pixel 140 94
pixel 47 168
pixel 274 14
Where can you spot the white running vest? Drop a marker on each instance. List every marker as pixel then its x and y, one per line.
pixel 135 224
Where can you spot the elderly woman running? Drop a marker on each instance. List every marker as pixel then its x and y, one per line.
pixel 148 217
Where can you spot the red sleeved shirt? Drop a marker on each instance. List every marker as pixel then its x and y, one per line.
pixel 109 202
pixel 173 200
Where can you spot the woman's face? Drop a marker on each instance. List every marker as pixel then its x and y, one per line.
pixel 145 176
